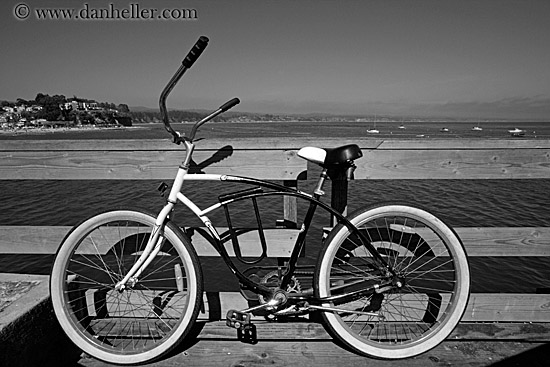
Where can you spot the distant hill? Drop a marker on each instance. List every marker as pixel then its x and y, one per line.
pixel 142 109
pixel 142 114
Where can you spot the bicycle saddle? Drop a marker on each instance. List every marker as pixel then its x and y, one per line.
pixel 331 156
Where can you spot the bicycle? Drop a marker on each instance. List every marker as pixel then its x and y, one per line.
pixel 391 281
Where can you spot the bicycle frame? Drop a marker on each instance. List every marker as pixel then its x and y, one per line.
pixel 156 240
pixel 175 196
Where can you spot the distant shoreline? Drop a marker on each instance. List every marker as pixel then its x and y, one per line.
pixel 291 129
pixel 61 130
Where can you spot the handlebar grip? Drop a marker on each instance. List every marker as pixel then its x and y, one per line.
pixel 230 104
pixel 195 52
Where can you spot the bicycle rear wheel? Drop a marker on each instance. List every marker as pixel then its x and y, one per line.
pixel 431 264
pixel 142 322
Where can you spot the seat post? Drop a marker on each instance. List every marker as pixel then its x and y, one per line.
pixel 339 194
pixel 318 192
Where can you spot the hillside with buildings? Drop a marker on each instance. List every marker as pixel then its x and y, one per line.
pixel 47 111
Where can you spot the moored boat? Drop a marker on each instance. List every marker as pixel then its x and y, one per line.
pixel 517 132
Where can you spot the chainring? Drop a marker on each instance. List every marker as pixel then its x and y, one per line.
pixel 273 277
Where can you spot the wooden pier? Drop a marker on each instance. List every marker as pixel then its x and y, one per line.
pixel 497 329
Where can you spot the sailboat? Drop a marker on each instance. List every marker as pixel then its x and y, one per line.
pixel 517 132
pixel 373 130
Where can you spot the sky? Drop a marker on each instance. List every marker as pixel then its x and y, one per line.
pixel 465 59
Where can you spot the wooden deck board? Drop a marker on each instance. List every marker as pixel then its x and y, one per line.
pixel 320 353
pixel 454 164
pixel 275 158
pixel 482 307
pixel 46 240
pixel 479 241
pixel 287 143
pixel 146 165
pixel 305 330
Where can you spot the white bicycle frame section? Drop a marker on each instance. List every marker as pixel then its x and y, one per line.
pixel 156 239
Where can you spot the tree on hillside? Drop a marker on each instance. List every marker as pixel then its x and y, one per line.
pixel 40 98
pixel 123 108
pixel 50 106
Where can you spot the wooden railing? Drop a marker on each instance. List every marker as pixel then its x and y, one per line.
pixel 519 316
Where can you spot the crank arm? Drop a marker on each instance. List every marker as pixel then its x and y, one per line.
pixel 241 320
pixel 269 305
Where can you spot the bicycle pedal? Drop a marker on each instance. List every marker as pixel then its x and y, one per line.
pixel 162 188
pixel 237 319
pixel 247 334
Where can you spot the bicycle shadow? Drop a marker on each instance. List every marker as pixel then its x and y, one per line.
pixel 222 153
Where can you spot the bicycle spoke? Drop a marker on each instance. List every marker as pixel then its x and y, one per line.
pixel 140 318
pixel 419 306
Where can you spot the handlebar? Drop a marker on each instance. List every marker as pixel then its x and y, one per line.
pixel 187 62
pixel 230 104
pixel 221 109
pixel 195 52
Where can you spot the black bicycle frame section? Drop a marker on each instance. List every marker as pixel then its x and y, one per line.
pixel 314 202
pixel 229 198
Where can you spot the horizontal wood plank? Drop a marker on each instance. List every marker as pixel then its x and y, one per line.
pixel 303 329
pixel 278 353
pixel 506 307
pixel 92 165
pixel 454 164
pixel 286 143
pixel 458 144
pixel 46 240
pixel 275 158
pixel 482 307
pixel 527 331
pixel 505 241
pixel 479 241
pixel 308 330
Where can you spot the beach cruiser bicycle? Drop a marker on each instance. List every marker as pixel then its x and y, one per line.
pixel 391 281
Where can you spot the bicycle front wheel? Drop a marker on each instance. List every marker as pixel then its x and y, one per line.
pixel 430 263
pixel 146 319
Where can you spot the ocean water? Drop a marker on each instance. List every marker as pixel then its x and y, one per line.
pixel 325 129
pixel 464 203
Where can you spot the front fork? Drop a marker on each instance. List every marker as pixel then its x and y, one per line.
pixel 157 239
pixel 155 243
